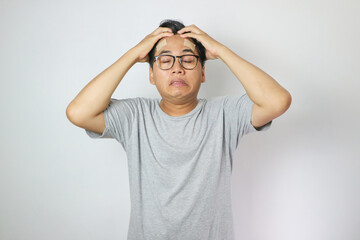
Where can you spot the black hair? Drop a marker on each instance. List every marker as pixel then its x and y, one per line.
pixel 176 26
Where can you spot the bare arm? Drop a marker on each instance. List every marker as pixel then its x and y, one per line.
pixel 95 96
pixel 86 109
pixel 262 89
pixel 269 97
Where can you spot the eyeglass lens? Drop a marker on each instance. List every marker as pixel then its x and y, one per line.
pixel 187 61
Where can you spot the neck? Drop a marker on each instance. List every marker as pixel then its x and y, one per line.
pixel 176 110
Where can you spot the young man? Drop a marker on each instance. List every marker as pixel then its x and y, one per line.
pixel 180 148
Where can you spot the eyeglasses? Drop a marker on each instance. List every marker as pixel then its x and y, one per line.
pixel 165 62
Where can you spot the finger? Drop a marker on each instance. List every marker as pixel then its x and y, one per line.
pixel 166 34
pixel 189 34
pixel 161 30
pixel 191 28
pixel 165 29
pixel 163 35
pixel 185 29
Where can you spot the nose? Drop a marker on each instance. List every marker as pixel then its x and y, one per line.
pixel 177 66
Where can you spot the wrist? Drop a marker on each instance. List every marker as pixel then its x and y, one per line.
pixel 133 55
pixel 222 52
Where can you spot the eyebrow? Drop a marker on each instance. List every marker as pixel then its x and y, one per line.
pixel 184 50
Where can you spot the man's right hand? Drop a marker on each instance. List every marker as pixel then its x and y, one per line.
pixel 144 47
pixel 87 108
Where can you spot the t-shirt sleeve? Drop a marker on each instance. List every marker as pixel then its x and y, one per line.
pixel 119 117
pixel 238 111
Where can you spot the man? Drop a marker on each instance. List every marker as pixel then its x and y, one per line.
pixel 180 148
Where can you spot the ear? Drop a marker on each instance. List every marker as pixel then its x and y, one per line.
pixel 151 75
pixel 203 74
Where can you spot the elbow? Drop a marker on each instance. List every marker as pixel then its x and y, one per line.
pixel 71 115
pixel 285 102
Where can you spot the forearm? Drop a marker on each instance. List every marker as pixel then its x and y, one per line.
pixel 261 88
pixel 95 96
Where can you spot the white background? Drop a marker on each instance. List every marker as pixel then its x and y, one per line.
pixel 297 181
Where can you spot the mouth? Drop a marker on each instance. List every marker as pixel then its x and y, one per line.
pixel 178 82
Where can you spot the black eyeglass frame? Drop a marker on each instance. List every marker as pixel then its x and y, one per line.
pixel 174 58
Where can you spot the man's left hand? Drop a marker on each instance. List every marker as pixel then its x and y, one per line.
pixel 211 45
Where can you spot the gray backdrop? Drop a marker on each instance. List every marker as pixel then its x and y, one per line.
pixel 300 180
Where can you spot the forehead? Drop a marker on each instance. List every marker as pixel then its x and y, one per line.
pixel 174 45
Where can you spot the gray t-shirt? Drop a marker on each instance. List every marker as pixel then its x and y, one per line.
pixel 179 167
